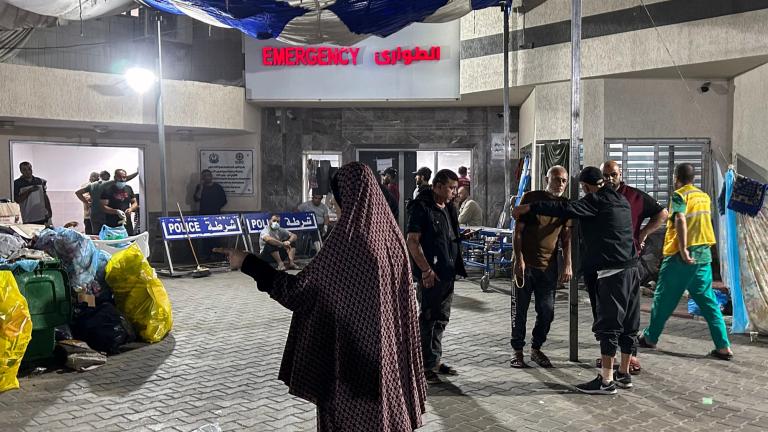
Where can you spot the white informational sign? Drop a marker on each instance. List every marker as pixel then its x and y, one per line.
pixel 232 169
pixel 497 146
pixel 419 62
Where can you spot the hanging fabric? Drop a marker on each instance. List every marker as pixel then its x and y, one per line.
pixel 748 196
pixel 732 271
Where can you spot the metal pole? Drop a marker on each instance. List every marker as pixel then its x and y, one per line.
pixel 161 121
pixel 507 139
pixel 574 168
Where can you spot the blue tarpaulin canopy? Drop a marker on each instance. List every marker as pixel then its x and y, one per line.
pixel 343 22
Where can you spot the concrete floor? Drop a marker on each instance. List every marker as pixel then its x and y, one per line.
pixel 218 370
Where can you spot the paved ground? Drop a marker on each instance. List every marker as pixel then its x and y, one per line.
pixel 218 370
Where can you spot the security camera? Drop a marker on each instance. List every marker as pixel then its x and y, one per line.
pixel 290 114
pixel 705 87
pixel 499 114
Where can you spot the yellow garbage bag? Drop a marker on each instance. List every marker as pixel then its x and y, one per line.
pixel 139 294
pixel 15 330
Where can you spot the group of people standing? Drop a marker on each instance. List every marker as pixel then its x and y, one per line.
pixel 611 216
pixel 364 343
pixel 108 202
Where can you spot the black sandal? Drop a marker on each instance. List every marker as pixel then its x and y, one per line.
pixel 720 356
pixel 541 359
pixel 518 361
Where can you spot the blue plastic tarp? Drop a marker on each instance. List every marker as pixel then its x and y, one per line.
pixel 731 260
pixel 267 19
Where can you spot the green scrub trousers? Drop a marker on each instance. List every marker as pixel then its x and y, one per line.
pixel 674 278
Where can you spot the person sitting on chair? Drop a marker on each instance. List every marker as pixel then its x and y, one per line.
pixel 277 242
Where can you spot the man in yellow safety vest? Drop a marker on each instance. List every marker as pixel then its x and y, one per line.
pixel 687 264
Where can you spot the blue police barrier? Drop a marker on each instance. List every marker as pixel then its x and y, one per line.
pixel 293 222
pixel 198 227
pixel 299 221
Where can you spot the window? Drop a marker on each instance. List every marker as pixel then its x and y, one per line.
pixel 649 164
pixel 452 160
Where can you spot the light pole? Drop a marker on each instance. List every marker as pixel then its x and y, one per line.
pixel 141 80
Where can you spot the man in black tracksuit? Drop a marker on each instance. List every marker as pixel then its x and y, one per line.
pixel 607 250
pixel 434 243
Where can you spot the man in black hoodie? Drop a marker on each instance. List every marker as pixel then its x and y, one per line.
pixel 434 243
pixel 607 249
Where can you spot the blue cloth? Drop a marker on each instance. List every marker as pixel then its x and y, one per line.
pixel 266 19
pixel 733 279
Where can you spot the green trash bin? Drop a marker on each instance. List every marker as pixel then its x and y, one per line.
pixel 49 298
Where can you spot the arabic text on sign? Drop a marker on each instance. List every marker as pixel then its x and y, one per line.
pixel 406 56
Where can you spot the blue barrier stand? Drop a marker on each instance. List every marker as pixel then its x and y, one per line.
pixel 198 227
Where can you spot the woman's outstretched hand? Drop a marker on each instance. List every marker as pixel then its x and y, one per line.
pixel 234 256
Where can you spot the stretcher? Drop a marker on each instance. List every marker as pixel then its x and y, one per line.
pixel 489 249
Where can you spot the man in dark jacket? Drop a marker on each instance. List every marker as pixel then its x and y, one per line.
pixel 434 243
pixel 608 251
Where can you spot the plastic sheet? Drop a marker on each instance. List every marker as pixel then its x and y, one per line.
pixel 15 330
pixel 140 294
pixel 732 279
pixel 341 21
pixel 83 262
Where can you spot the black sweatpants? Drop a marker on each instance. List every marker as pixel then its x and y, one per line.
pixel 541 284
pixel 434 314
pixel 616 307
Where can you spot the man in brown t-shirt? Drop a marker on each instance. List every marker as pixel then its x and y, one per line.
pixel 536 269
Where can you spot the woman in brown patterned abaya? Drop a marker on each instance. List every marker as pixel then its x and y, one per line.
pixel 353 348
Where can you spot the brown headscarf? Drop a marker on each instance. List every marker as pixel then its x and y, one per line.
pixel 354 348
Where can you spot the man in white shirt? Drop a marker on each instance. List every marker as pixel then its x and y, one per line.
pixel 470 213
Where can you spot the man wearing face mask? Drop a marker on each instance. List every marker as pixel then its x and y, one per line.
pixel 277 243
pixel 118 202
pixel 609 251
pixel 536 268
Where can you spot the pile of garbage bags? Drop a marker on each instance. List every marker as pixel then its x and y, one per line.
pixel 116 299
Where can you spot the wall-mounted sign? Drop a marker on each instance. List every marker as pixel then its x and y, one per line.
pixel 333 56
pixel 232 169
pixel 498 149
pixel 419 62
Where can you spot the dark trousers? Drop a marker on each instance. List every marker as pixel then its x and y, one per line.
pixel 615 303
pixel 541 284
pixel 88 227
pixel 96 226
pixel 434 314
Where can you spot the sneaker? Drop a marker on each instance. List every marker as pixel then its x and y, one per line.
pixel 622 381
pixel 431 377
pixel 596 387
pixel 518 361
